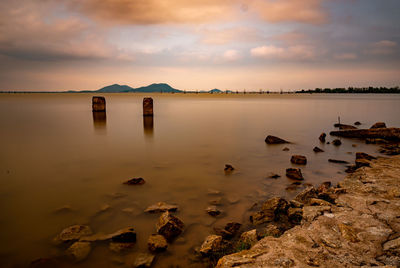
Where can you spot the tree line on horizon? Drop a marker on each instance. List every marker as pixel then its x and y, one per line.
pixel 353 90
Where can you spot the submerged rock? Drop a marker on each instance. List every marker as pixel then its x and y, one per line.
pixel 169 226
pixel 79 251
pixel 161 207
pixel 213 211
pixel 143 260
pixel 318 150
pixel 338 161
pixel 336 142
pixel 299 160
pixel 135 181
pixel 285 149
pixel 273 176
pixel 274 140
pixel 322 137
pixel 120 247
pixel 74 232
pixel 378 125
pixel 157 243
pixel 364 156
pixel 126 235
pixel 229 168
pixel 357 123
pixel 294 173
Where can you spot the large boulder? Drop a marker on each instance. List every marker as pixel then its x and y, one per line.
pixel 298 159
pixel 294 173
pixel 271 210
pixel 72 233
pixel 157 243
pixel 169 226
pixel 274 140
pixel 378 125
pixel 211 245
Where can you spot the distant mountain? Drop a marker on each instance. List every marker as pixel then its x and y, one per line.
pixel 115 88
pixel 156 88
pixel 215 90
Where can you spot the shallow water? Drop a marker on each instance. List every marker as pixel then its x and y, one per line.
pixel 55 152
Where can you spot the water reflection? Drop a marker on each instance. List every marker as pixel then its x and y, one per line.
pixel 148 126
pixel 100 121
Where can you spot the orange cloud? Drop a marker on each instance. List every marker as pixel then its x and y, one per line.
pixel 305 11
pixel 289 53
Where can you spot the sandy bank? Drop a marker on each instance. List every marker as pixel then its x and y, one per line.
pixel 361 229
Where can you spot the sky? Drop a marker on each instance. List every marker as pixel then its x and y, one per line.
pixel 199 44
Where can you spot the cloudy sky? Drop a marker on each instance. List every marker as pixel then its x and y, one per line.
pixel 199 44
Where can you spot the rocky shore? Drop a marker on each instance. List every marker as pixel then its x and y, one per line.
pixel 360 227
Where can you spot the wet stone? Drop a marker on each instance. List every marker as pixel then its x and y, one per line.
pixel 338 161
pixel 161 207
pixel 229 168
pixel 336 142
pixel 249 238
pixel 212 244
pixel 157 243
pixel 274 140
pixel 169 226
pixel 322 137
pixel 126 235
pixel 135 181
pixel 79 251
pixel 120 247
pixel 294 173
pixel 285 149
pixel 143 260
pixel 72 233
pixel 318 150
pixel 213 211
pixel 298 160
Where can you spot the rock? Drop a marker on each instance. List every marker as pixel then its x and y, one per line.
pixel 74 232
pixel 294 173
pixel 379 133
pixel 338 161
pixel 319 202
pixel 378 125
pixel 271 210
pixel 126 235
pixel 318 150
pixel 274 140
pixel 364 156
pixel 157 243
pixel 79 251
pixel 357 123
pixel 298 159
pixel 348 232
pixel 322 137
pixel 285 149
pixel 306 195
pixel 324 187
pixel 312 212
pixel 362 163
pixel 143 260
pixel 229 168
pixel 376 141
pixel 120 247
pixel 392 245
pixel 336 142
pixel 135 181
pixel 249 237
pixel 270 230
pixel 351 169
pixel 161 207
pixel 295 215
pixel 229 231
pixel 343 126
pixel 212 244
pixel 295 204
pixel 213 211
pixel 169 226
pixel 273 176
pixel 98 104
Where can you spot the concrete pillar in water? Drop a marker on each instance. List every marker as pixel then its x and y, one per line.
pixel 147 107
pixel 98 104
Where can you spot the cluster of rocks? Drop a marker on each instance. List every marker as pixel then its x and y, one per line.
pixel 355 224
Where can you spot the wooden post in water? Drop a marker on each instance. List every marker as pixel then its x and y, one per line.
pixel 98 104
pixel 147 107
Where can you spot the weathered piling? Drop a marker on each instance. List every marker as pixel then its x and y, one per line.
pixel 98 104
pixel 148 107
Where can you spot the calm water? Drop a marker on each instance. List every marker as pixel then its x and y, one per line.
pixel 55 153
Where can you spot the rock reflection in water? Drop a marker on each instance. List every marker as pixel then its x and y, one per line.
pixel 148 126
pixel 100 121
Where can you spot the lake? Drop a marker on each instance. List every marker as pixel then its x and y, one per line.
pixel 60 164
